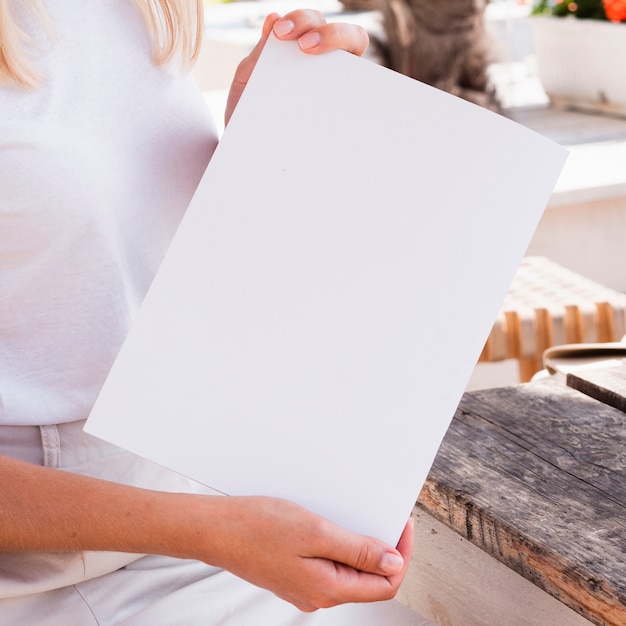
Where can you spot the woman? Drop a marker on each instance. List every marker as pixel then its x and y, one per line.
pixel 103 138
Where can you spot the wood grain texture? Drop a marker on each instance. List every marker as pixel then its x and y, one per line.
pixel 536 476
pixel 455 583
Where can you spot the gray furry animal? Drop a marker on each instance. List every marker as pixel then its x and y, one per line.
pixel 439 42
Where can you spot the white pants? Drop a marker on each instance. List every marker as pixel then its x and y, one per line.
pixel 89 588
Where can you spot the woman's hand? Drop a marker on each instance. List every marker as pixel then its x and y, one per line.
pixel 272 543
pixel 300 556
pixel 314 36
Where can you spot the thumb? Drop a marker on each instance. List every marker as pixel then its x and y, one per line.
pixel 390 563
pixel 370 555
pixel 245 67
pixel 373 556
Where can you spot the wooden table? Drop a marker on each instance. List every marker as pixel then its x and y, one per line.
pixel 531 477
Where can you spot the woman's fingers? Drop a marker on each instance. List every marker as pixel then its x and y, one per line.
pixel 358 568
pixel 302 557
pixel 315 36
pixel 295 23
pixel 364 554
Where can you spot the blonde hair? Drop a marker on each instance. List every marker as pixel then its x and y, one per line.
pixel 175 26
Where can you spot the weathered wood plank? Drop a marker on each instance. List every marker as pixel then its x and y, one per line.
pixel 608 385
pixel 455 583
pixel 536 476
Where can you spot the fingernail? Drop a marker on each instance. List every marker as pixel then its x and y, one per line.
pixel 391 563
pixel 283 27
pixel 310 40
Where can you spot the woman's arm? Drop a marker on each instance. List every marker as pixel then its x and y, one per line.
pixel 314 36
pixel 272 543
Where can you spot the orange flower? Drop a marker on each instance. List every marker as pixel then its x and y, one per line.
pixel 615 10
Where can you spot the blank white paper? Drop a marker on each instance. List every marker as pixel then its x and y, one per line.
pixel 327 295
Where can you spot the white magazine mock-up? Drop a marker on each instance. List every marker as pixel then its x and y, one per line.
pixel 321 308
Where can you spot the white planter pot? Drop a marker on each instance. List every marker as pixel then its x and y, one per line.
pixel 581 62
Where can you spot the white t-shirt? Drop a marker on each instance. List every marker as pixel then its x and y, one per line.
pixel 97 167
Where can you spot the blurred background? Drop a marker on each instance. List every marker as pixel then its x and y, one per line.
pixel 554 67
